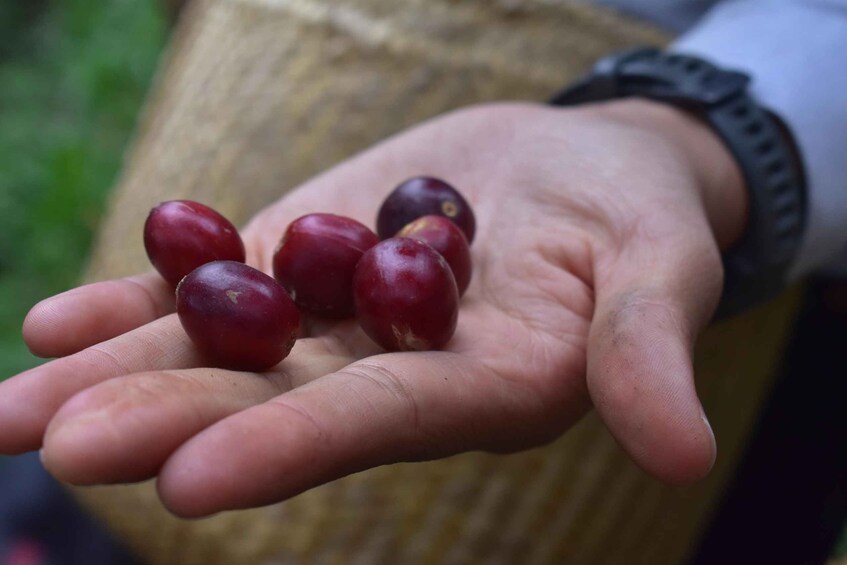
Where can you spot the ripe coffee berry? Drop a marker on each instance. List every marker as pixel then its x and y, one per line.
pixel 237 316
pixel 406 296
pixel 422 196
pixel 316 259
pixel 181 235
pixel 445 237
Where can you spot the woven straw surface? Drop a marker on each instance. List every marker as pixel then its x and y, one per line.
pixel 258 95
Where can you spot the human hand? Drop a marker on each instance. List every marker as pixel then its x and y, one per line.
pixel 596 266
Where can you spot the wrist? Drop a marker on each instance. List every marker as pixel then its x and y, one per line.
pixel 716 171
pixel 757 222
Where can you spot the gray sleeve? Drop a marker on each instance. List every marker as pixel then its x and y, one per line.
pixel 796 52
pixel 673 15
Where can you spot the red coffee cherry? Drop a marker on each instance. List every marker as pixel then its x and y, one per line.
pixel 237 316
pixel 445 237
pixel 181 235
pixel 422 196
pixel 406 296
pixel 316 259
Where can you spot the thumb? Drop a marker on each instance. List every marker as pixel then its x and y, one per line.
pixel 653 299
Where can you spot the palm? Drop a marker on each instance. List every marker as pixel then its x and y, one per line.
pixel 141 404
pixel 525 318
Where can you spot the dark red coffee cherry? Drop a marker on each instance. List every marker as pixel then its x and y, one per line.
pixel 181 235
pixel 406 296
pixel 316 259
pixel 422 196
pixel 237 316
pixel 445 237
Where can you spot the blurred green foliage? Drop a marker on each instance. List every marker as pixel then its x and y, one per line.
pixel 73 75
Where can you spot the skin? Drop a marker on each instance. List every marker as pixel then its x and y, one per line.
pixel 597 264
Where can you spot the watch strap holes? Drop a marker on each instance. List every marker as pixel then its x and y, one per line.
pixel 673 60
pixel 765 147
pixel 785 205
pixel 774 167
pixel 754 128
pixel 692 66
pixel 740 111
pixel 781 189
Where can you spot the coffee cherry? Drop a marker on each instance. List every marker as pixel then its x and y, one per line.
pixel 422 196
pixel 445 237
pixel 316 259
pixel 181 235
pixel 237 316
pixel 406 296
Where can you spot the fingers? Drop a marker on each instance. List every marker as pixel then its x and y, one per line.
pixel 71 321
pixel 124 429
pixel 651 304
pixel 29 400
pixel 395 407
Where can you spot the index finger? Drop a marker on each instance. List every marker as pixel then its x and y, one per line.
pixel 79 318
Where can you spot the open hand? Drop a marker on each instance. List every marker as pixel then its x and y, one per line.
pixel 596 266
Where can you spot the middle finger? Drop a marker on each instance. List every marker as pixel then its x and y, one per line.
pixel 123 430
pixel 28 401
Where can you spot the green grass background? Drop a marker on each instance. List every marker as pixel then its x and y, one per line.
pixel 73 75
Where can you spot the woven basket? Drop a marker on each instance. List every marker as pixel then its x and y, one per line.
pixel 258 95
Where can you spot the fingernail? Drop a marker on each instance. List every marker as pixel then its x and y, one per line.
pixel 712 435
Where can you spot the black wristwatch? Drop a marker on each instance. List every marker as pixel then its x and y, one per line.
pixel 756 268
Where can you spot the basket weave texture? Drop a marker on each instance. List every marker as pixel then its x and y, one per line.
pixel 254 97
